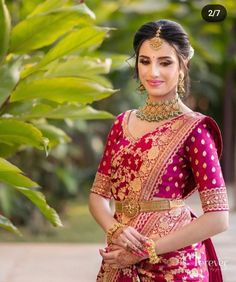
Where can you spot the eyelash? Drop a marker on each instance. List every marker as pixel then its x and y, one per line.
pixel 145 62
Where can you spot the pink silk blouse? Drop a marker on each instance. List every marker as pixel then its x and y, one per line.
pixel 194 166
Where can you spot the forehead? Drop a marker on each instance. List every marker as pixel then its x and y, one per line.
pixel 165 50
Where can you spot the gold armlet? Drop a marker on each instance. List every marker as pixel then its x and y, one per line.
pixel 112 230
pixel 153 258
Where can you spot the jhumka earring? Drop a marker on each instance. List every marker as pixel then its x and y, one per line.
pixel 156 41
pixel 180 87
pixel 141 88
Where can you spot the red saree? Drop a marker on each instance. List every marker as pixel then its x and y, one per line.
pixel 172 161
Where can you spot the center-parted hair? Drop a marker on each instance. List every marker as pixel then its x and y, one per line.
pixel 174 34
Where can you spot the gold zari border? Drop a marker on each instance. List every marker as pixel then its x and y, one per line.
pixel 101 185
pixel 214 199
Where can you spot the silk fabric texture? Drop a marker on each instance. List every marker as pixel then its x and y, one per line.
pixel 171 162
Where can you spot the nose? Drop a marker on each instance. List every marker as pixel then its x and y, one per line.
pixel 155 70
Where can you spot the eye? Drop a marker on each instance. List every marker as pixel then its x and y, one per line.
pixel 144 62
pixel 167 63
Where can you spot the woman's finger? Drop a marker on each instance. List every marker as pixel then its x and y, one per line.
pixel 139 237
pixel 109 257
pixel 132 243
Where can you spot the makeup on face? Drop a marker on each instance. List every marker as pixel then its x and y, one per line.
pixel 158 69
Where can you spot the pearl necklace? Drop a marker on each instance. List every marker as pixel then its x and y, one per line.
pixel 159 111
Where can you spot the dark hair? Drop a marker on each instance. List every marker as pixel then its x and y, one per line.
pixel 172 33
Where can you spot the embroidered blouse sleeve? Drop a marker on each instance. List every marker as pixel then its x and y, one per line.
pixel 203 155
pixel 101 184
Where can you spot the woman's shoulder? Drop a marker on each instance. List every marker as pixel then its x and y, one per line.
pixel 203 120
pixel 205 126
pixel 121 116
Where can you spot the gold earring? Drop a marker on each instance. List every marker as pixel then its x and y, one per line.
pixel 180 87
pixel 141 88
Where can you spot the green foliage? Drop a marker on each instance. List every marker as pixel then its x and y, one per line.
pixel 53 72
pixel 5 24
pixel 80 227
pixel 7 225
pixel 48 71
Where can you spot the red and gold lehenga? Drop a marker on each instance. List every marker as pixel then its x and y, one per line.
pixel 177 158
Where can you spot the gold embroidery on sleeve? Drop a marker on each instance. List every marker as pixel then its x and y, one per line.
pixel 102 185
pixel 214 199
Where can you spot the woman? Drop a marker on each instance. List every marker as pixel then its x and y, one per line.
pixel 154 158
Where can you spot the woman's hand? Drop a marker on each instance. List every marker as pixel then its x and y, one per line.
pixel 130 239
pixel 118 257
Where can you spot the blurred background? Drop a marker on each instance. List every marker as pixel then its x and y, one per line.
pixel 66 174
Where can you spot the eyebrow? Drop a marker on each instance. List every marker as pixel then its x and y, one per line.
pixel 164 57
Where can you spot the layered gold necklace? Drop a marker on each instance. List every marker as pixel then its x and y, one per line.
pixel 159 111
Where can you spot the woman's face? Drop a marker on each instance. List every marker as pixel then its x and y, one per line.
pixel 158 70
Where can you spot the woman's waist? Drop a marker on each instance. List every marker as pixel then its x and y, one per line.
pixel 132 207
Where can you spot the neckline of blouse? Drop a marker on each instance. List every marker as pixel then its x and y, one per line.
pixel 130 136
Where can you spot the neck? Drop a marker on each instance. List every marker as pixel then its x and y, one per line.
pixel 164 98
pixel 161 100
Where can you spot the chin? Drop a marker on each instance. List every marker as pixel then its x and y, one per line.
pixel 157 94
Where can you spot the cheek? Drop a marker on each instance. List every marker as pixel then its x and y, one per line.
pixel 172 75
pixel 142 70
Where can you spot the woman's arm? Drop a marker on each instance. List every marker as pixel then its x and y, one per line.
pixel 207 225
pixel 129 237
pixel 203 159
pixel 101 211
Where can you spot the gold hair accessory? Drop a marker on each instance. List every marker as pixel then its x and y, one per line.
pixel 110 232
pixel 153 258
pixel 158 111
pixel 156 41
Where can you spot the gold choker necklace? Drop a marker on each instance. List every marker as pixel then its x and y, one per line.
pixel 158 111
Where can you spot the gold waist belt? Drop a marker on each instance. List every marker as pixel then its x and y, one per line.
pixel 131 208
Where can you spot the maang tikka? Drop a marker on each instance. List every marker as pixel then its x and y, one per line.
pixel 156 41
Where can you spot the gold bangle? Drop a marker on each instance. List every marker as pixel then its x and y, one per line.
pixel 153 258
pixel 112 230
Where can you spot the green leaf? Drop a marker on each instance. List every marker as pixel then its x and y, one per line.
pixel 16 179
pixel 42 30
pixel 65 89
pixel 17 132
pixel 5 28
pixel 74 112
pixel 79 66
pixel 6 166
pixel 11 174
pixel 39 200
pixel 6 224
pixel 75 41
pixel 47 6
pixel 105 9
pixel 118 61
pixel 27 110
pixel 7 150
pixel 54 134
pixel 9 76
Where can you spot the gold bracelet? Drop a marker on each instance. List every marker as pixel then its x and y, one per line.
pixel 112 230
pixel 153 258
